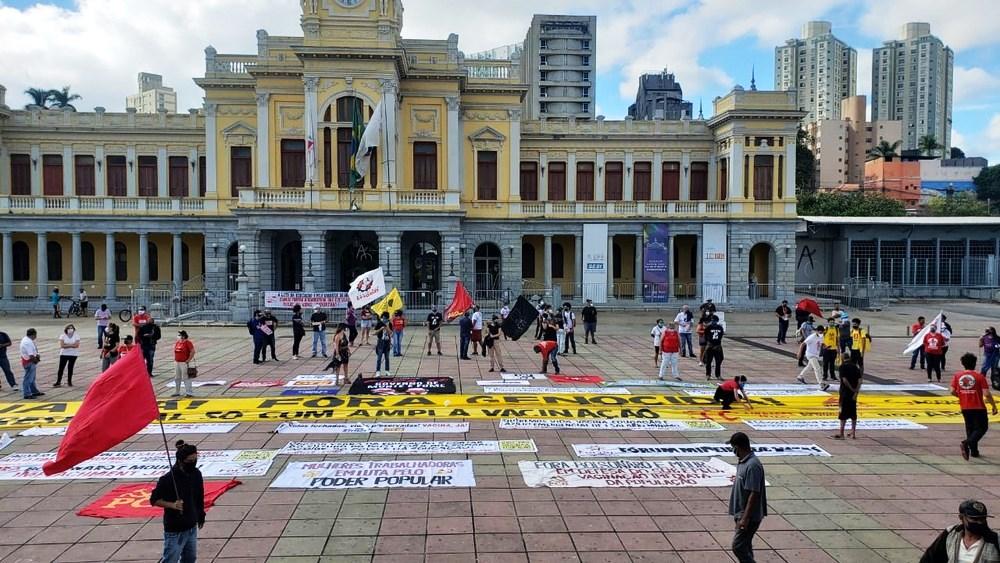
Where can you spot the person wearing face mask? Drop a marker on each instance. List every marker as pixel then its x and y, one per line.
pixel 383 342
pixel 969 541
pixel 748 498
pixel 69 350
pixel 183 356
pixel 669 347
pixel 103 318
pixel 934 344
pixel 140 320
pixel 657 334
pixel 973 392
pixel 149 335
pixel 181 495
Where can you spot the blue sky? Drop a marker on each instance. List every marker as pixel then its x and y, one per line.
pixel 98 46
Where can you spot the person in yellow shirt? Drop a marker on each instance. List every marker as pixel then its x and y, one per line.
pixel 860 343
pixel 829 350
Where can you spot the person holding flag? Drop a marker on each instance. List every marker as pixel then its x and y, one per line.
pixel 181 495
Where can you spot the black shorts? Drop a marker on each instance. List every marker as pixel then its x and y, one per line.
pixel 848 408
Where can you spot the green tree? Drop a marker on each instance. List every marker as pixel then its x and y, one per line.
pixel 988 183
pixel 885 150
pixel 851 204
pixel 805 164
pixel 929 145
pixel 63 98
pixel 39 97
pixel 957 205
pixel 957 153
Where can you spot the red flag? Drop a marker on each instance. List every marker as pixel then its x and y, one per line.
pixel 118 404
pixel 809 306
pixel 132 501
pixel 459 304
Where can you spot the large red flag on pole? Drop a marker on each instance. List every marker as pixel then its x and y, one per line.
pixel 459 304
pixel 119 403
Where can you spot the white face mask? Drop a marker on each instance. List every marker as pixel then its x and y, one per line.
pixel 70 332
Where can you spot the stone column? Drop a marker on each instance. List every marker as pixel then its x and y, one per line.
pixel 311 83
pixel 388 255
pixel 143 260
pixel 100 179
pixel 790 152
pixel 578 265
pixel 77 262
pixel 313 262
pixel 637 253
pixel 109 267
pixel 162 178
pixel 36 170
pixel 571 177
pixel 628 191
pixel 263 140
pixel 611 266
pixel 656 192
pixel 43 266
pixel 194 190
pixel 599 194
pixel 750 179
pixel 211 154
pixel 686 176
pixel 735 189
pixel 131 171
pixel 698 262
pixel 543 179
pixel 454 145
pixel 177 264
pixel 8 265
pixel 547 263
pixel 68 169
pixel 451 265
pixel 390 94
pixel 515 154
pixel 670 267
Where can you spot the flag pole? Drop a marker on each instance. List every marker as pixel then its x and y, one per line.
pixel 166 450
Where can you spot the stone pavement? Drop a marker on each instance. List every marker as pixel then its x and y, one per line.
pixel 882 497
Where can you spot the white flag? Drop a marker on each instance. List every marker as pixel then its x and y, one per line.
pixel 918 338
pixel 367 287
pixel 369 142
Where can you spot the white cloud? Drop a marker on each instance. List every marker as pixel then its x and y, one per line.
pixel 961 24
pixel 958 139
pixel 972 85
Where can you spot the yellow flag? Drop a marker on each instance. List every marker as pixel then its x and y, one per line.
pixel 389 304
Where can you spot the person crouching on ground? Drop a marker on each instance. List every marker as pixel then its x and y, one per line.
pixel 549 350
pixel 670 346
pixel 731 391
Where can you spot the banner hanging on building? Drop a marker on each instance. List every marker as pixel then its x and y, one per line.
pixel 714 261
pixel 307 300
pixel 655 262
pixel 373 428
pixel 409 447
pixel 595 262
pixel 132 501
pixel 694 450
pixel 375 474
pixel 623 473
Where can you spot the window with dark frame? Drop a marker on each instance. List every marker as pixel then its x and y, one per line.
pixel 177 176
pixel 22 261
pixel 87 261
pixel 557 181
pixel 613 181
pixel 527 260
pixel 240 169
pixel 54 256
pixel 84 175
pixel 20 174
pixel 585 181
pixel 671 181
pixel 52 174
pixel 116 175
pixel 148 177
pixel 486 175
pixel 293 163
pixel 529 181
pixel 699 181
pixel 642 183
pixel 425 166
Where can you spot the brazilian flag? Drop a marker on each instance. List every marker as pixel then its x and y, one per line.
pixel 357 130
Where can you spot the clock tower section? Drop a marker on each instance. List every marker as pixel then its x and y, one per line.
pixel 363 24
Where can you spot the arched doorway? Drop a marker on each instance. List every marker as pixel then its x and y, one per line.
pixel 290 274
pixel 761 275
pixel 425 267
pixel 359 256
pixel 487 268
pixel 232 266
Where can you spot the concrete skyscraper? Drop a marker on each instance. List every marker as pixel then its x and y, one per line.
pixel 560 65
pixel 820 68
pixel 912 83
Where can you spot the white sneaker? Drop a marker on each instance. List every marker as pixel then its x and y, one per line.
pixel 801 379
pixel 295 357
pixel 701 365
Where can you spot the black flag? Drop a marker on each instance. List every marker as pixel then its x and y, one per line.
pixel 520 319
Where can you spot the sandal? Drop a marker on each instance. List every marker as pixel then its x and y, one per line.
pixel 837 437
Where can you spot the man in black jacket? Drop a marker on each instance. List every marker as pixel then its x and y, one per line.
pixel 181 494
pixel 149 334
pixel 972 540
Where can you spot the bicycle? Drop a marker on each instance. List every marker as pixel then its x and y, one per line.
pixel 125 315
pixel 75 310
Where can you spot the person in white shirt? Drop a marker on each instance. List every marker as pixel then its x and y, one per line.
pixel 813 344
pixel 84 301
pixel 657 333
pixel 569 324
pixel 477 331
pixel 504 313
pixel 29 361
pixel 69 350
pixel 685 327
pixel 103 317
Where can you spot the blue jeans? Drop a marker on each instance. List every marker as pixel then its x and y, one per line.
pixel 397 343
pixel 554 359
pixel 988 362
pixel 100 335
pixel 463 345
pixel 319 336
pixel 28 385
pixel 180 546
pixel 5 366
pixel 686 344
pixel 382 353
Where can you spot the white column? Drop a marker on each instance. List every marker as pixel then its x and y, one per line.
pixel 578 263
pixel 178 262
pixel 611 265
pixel 131 189
pixel 390 93
pixel 543 180
pixel 637 271
pixel 77 261
pixel 686 176
pixel 210 150
pixel 36 170
pixel 162 181
pixel 101 173
pixel 515 154
pixel 144 260
pixel 713 184
pixel 8 265
pixel 263 140
pixel 454 145
pixel 4 169
pixel 656 193
pixel 109 266
pixel 571 177
pixel 547 262
pixel 43 265
pixel 736 169
pixel 599 194
pixel 628 193
pixel 789 178
pixel 311 83
pixel 69 167
pixel 193 187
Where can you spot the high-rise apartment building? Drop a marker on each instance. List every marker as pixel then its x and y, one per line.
pixel 152 95
pixel 912 82
pixel 559 62
pixel 842 145
pixel 659 97
pixel 820 68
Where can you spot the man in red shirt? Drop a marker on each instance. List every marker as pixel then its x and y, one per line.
pixel 548 349
pixel 183 356
pixel 670 345
pixel 971 387
pixel 731 391
pixel 934 343
pixel 140 320
pixel 915 329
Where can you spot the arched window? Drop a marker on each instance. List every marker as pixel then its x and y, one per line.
pixel 153 262
pixel 527 260
pixel 185 262
pixel 121 261
pixel 54 251
pixel 22 261
pixel 557 261
pixel 87 259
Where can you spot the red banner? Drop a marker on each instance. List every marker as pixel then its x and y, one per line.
pixel 132 501
pixel 576 379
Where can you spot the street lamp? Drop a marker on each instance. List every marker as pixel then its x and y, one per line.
pixel 243 262
pixel 451 267
pixel 309 253
pixel 388 250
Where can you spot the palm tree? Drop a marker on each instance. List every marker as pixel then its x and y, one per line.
pixel 39 97
pixel 62 98
pixel 885 150
pixel 928 145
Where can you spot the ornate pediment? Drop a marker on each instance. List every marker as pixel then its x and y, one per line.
pixel 239 134
pixel 487 139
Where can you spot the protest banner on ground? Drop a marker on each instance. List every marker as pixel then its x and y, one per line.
pixel 194 428
pixel 610 424
pixel 403 386
pixel 580 390
pixel 318 380
pixel 524 376
pixel 375 474
pixel 373 428
pixel 626 473
pixel 5 440
pixel 308 300
pixel 138 465
pixel 198 383
pixel 559 378
pixel 409 447
pixel 504 382
pixel 310 391
pixel 651 383
pixel 257 384
pixel 833 424
pixel 132 501
pixel 694 450
pixel 801 391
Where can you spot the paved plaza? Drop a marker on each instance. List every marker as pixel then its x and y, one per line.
pixel 882 497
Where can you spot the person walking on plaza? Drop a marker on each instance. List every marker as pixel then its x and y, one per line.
pixel 492 343
pixel 341 353
pixel 504 313
pixel 298 330
pixel 946 332
pixel 784 315
pixel 971 389
pixel 383 343
pixel 464 336
pixel 181 495
pixel 702 342
pixel 29 361
pixel 149 335
pixel 351 320
pixel 670 346
pixel 656 333
pixel 270 329
pixel 707 307
pixel 915 329
pixel 434 320
pixel 813 345
pixel 589 313
pixel 540 319
pixel 806 327
pixel 183 357
pixel 560 332
pixel 850 386
pixel 713 351
pixel 732 391
pixel 109 347
pixel 830 349
pixel 860 344
pixel 254 328
pixel 366 325
pixel 398 325
pixel 845 335
pixel 569 325
pixel 971 540
pixel 103 316
pixel 84 302
pixel 6 342
pixel 69 351
pixel 748 499
pixel 934 352
pixel 990 344
pixel 54 299
pixel 477 330
pixel 318 322
pixel 685 324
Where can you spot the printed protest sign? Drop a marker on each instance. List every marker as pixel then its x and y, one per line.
pixel 694 450
pixel 504 382
pixel 194 428
pixel 522 376
pixel 627 473
pixel 558 378
pixel 403 386
pixel 257 384
pixel 307 391
pixel 832 424
pixel 318 380
pixel 557 390
pixel 632 424
pixel 802 391
pixel 132 501
pixel 409 447
pixel 375 474
pixel 138 465
pixel 199 383
pixel 373 428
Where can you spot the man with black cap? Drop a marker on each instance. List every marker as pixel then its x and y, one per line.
pixel 434 320
pixel 971 540
pixel 181 495
pixel 748 499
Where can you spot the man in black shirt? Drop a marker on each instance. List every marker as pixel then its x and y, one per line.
pixel 464 336
pixel 318 322
pixel 181 494
pixel 5 343
pixel 713 351
pixel 589 322
pixel 707 307
pixel 783 313
pixel 149 334
pixel 434 329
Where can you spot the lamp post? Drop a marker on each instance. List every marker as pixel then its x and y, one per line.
pixel 388 251
pixel 451 266
pixel 243 262
pixel 309 254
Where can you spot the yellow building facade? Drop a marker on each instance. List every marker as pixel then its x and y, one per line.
pixel 254 191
